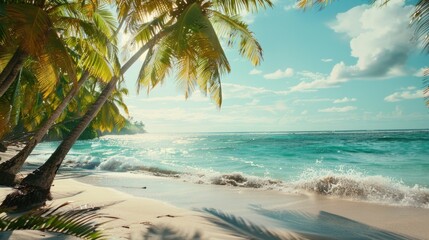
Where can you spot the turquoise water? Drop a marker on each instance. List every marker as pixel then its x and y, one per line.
pixel 380 166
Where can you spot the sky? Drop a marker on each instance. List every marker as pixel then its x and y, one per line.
pixel 350 66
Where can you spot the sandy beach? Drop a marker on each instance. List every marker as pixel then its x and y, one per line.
pixel 153 207
pixel 174 208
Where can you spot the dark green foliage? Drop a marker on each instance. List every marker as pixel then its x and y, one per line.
pixel 129 128
pixel 59 131
pixel 74 222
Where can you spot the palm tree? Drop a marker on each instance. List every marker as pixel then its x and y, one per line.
pixel 177 34
pixel 93 46
pixel 31 25
pixel 420 19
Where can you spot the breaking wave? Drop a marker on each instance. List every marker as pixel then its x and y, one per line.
pixel 342 184
pixel 356 186
pixel 375 189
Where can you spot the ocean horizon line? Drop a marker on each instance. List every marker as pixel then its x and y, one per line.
pixel 296 131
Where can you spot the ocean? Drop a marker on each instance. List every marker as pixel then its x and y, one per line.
pixel 387 167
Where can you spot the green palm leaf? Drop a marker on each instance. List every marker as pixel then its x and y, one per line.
pixel 31 23
pixel 156 66
pixel 235 7
pixel 74 222
pixel 230 28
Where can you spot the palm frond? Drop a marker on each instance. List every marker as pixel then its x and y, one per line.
pixel 147 30
pixel 156 66
pixel 241 227
pixel 420 19
pixel 5 112
pixel 75 222
pixel 105 21
pixel 96 63
pixel 187 72
pixel 31 24
pixel 140 12
pixel 209 80
pixel 109 118
pixel 426 83
pixel 16 102
pixel 230 27
pixel 235 7
pixel 46 74
pixel 5 57
pixel 310 3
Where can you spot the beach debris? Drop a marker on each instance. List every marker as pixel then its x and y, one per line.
pixel 168 215
pixel 147 223
pixel 134 187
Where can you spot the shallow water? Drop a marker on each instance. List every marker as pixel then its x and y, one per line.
pixel 390 167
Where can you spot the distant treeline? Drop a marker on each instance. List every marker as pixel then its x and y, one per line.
pixel 130 127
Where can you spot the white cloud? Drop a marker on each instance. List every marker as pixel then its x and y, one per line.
pixel 326 59
pixel 280 74
pixel 406 95
pixel 379 39
pixel 255 72
pixel 338 109
pixel 344 100
pixel 421 72
pixel 316 84
pixel 308 75
pixel 235 91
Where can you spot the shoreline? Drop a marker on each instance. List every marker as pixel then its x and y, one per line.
pixel 145 203
pixel 137 216
pixel 165 203
pixel 250 203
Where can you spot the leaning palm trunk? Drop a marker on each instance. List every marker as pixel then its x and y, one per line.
pixel 10 168
pixel 11 71
pixel 35 187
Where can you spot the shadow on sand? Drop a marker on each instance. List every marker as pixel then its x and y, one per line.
pixel 326 225
pixel 305 226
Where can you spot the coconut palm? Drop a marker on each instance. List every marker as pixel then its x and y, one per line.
pixel 91 39
pixel 28 27
pixel 177 34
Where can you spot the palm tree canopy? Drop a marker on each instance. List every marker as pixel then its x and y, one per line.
pixel 191 47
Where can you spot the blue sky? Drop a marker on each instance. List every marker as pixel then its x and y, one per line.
pixel 350 66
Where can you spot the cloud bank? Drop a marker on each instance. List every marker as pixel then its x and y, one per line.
pixel 379 40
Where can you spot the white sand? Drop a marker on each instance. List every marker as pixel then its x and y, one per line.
pixel 136 215
pixel 407 221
